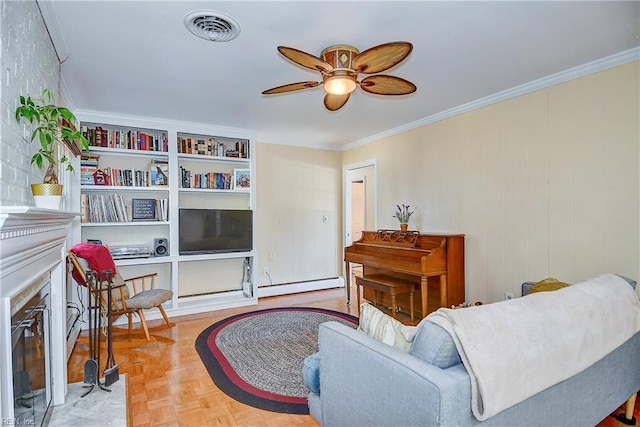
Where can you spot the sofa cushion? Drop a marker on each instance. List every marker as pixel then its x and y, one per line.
pixel 382 327
pixel 311 372
pixel 434 345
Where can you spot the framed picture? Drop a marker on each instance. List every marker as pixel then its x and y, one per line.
pixel 242 179
pixel 158 174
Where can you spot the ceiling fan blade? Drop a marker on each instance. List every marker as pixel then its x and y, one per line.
pixel 335 102
pixel 387 85
pixel 382 57
pixel 305 59
pixel 291 87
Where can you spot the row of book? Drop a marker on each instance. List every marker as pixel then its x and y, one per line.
pixel 211 180
pixel 157 173
pixel 112 208
pixel 127 177
pixel 104 208
pixel 211 147
pixel 126 139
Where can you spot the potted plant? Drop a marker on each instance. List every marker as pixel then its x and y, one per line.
pixel 54 125
pixel 403 214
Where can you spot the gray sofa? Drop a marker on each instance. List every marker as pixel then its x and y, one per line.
pixel 366 383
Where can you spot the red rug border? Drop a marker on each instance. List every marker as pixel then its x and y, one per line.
pixel 225 377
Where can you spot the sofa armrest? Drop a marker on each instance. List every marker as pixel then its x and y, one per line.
pixel 365 382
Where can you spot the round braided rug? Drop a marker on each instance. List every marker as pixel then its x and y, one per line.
pixel 256 358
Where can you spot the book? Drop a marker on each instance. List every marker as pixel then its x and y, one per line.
pixel 84 208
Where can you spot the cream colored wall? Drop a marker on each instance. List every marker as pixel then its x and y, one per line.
pixel 545 184
pixel 296 187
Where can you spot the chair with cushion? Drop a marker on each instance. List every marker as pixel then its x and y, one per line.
pixel 91 257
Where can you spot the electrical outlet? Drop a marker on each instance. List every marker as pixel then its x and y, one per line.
pixel 508 295
pixel 266 271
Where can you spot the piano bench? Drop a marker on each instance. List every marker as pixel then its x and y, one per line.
pixel 389 285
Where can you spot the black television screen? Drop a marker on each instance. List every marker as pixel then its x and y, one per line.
pixel 206 231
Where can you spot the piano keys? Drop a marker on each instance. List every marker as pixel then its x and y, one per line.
pixel 435 262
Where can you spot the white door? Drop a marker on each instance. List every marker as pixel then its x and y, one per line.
pixel 359 177
pixel 358 203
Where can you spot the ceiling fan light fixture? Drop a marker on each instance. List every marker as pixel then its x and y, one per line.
pixel 340 85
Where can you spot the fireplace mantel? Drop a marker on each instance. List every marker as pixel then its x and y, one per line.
pixel 33 244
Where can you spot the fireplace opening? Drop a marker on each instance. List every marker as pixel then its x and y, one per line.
pixel 30 331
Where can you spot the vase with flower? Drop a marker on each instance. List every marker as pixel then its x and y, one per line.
pixel 403 214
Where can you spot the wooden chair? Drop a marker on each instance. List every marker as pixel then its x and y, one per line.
pixel 144 297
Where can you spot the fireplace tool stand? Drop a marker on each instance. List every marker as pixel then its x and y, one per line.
pixel 92 365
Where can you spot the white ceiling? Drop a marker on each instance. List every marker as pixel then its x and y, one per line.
pixel 137 58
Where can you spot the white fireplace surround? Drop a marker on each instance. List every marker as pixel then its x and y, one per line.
pixel 32 246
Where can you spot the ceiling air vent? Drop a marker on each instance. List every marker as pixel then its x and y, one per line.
pixel 211 25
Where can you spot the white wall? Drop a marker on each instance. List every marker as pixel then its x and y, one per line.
pixel 29 64
pixel 545 184
pixel 296 187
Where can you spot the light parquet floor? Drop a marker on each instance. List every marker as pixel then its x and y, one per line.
pixel 169 385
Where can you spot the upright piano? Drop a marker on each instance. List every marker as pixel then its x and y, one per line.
pixel 435 262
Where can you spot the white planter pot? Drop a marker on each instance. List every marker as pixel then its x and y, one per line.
pixel 47 196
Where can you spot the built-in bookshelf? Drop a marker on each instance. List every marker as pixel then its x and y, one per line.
pixel 137 176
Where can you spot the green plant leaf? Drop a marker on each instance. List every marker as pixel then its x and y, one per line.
pixel 53 125
pixel 37 159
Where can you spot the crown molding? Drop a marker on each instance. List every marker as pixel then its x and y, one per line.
pixel 598 65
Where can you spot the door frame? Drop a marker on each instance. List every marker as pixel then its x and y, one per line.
pixel 349 172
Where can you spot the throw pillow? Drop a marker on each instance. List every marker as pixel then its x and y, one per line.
pixel 433 344
pixel 548 284
pixel 311 372
pixel 382 327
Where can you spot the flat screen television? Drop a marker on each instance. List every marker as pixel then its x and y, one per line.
pixel 208 231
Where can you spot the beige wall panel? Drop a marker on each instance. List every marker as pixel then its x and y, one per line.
pixel 470 197
pixel 446 166
pixel 298 187
pixel 561 244
pixel 588 174
pixel 527 180
pixel 491 138
pixel 620 159
pixel 536 139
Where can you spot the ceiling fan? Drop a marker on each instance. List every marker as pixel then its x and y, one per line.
pixel 340 65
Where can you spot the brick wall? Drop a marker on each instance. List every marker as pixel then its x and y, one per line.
pixel 29 64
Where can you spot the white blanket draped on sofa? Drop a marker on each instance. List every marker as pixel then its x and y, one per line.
pixel 515 349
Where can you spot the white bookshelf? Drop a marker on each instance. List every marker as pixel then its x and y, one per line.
pixel 200 282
